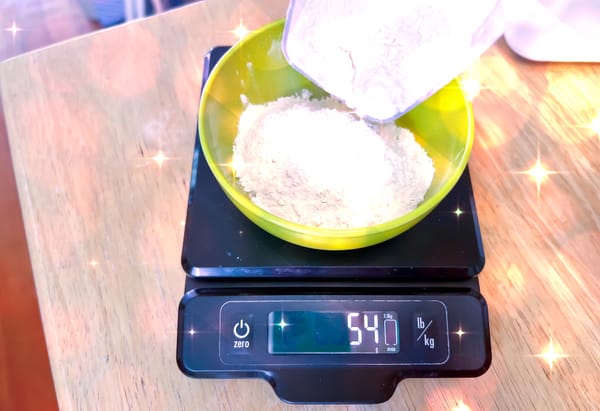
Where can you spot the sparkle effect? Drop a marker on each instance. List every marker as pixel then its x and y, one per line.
pixel 282 324
pixel 229 165
pixel 470 87
pixel 14 29
pixel 551 355
pixel 461 407
pixel 458 212
pixel 159 158
pixel 460 332
pixel 595 124
pixel 241 30
pixel 538 173
pixel 192 332
pixel 93 263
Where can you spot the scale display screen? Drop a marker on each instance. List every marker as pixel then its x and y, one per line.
pixel 333 332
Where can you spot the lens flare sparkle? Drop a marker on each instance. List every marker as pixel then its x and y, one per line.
pixel 470 87
pixel 538 173
pixel 458 212
pixel 159 158
pixel 240 31
pixel 461 406
pixel 14 29
pixel 460 332
pixel 595 125
pixel 282 324
pixel 551 354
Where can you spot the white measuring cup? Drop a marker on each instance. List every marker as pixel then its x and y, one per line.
pixel 384 57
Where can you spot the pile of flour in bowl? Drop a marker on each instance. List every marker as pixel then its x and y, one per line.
pixel 313 162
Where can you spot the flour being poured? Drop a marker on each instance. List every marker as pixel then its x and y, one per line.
pixel 383 57
pixel 313 162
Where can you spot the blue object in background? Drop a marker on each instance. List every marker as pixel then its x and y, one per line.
pixel 106 12
pixel 111 12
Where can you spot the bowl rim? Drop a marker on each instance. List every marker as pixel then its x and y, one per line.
pixel 424 208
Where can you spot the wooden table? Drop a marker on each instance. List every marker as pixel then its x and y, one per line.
pixel 104 221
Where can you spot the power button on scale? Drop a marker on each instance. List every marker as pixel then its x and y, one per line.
pixel 241 329
pixel 241 333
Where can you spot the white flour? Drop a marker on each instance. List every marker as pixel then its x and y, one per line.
pixel 310 162
pixel 381 57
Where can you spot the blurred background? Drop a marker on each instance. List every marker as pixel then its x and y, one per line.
pixel 25 25
pixel 542 30
pixel 40 23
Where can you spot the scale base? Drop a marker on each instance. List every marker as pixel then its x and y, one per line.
pixel 210 316
pixel 239 276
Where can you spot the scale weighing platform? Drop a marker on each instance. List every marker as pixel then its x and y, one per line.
pixel 329 326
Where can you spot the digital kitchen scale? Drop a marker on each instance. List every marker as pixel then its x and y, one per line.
pixel 329 326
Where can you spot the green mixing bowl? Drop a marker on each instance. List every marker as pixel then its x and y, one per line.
pixel 256 68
